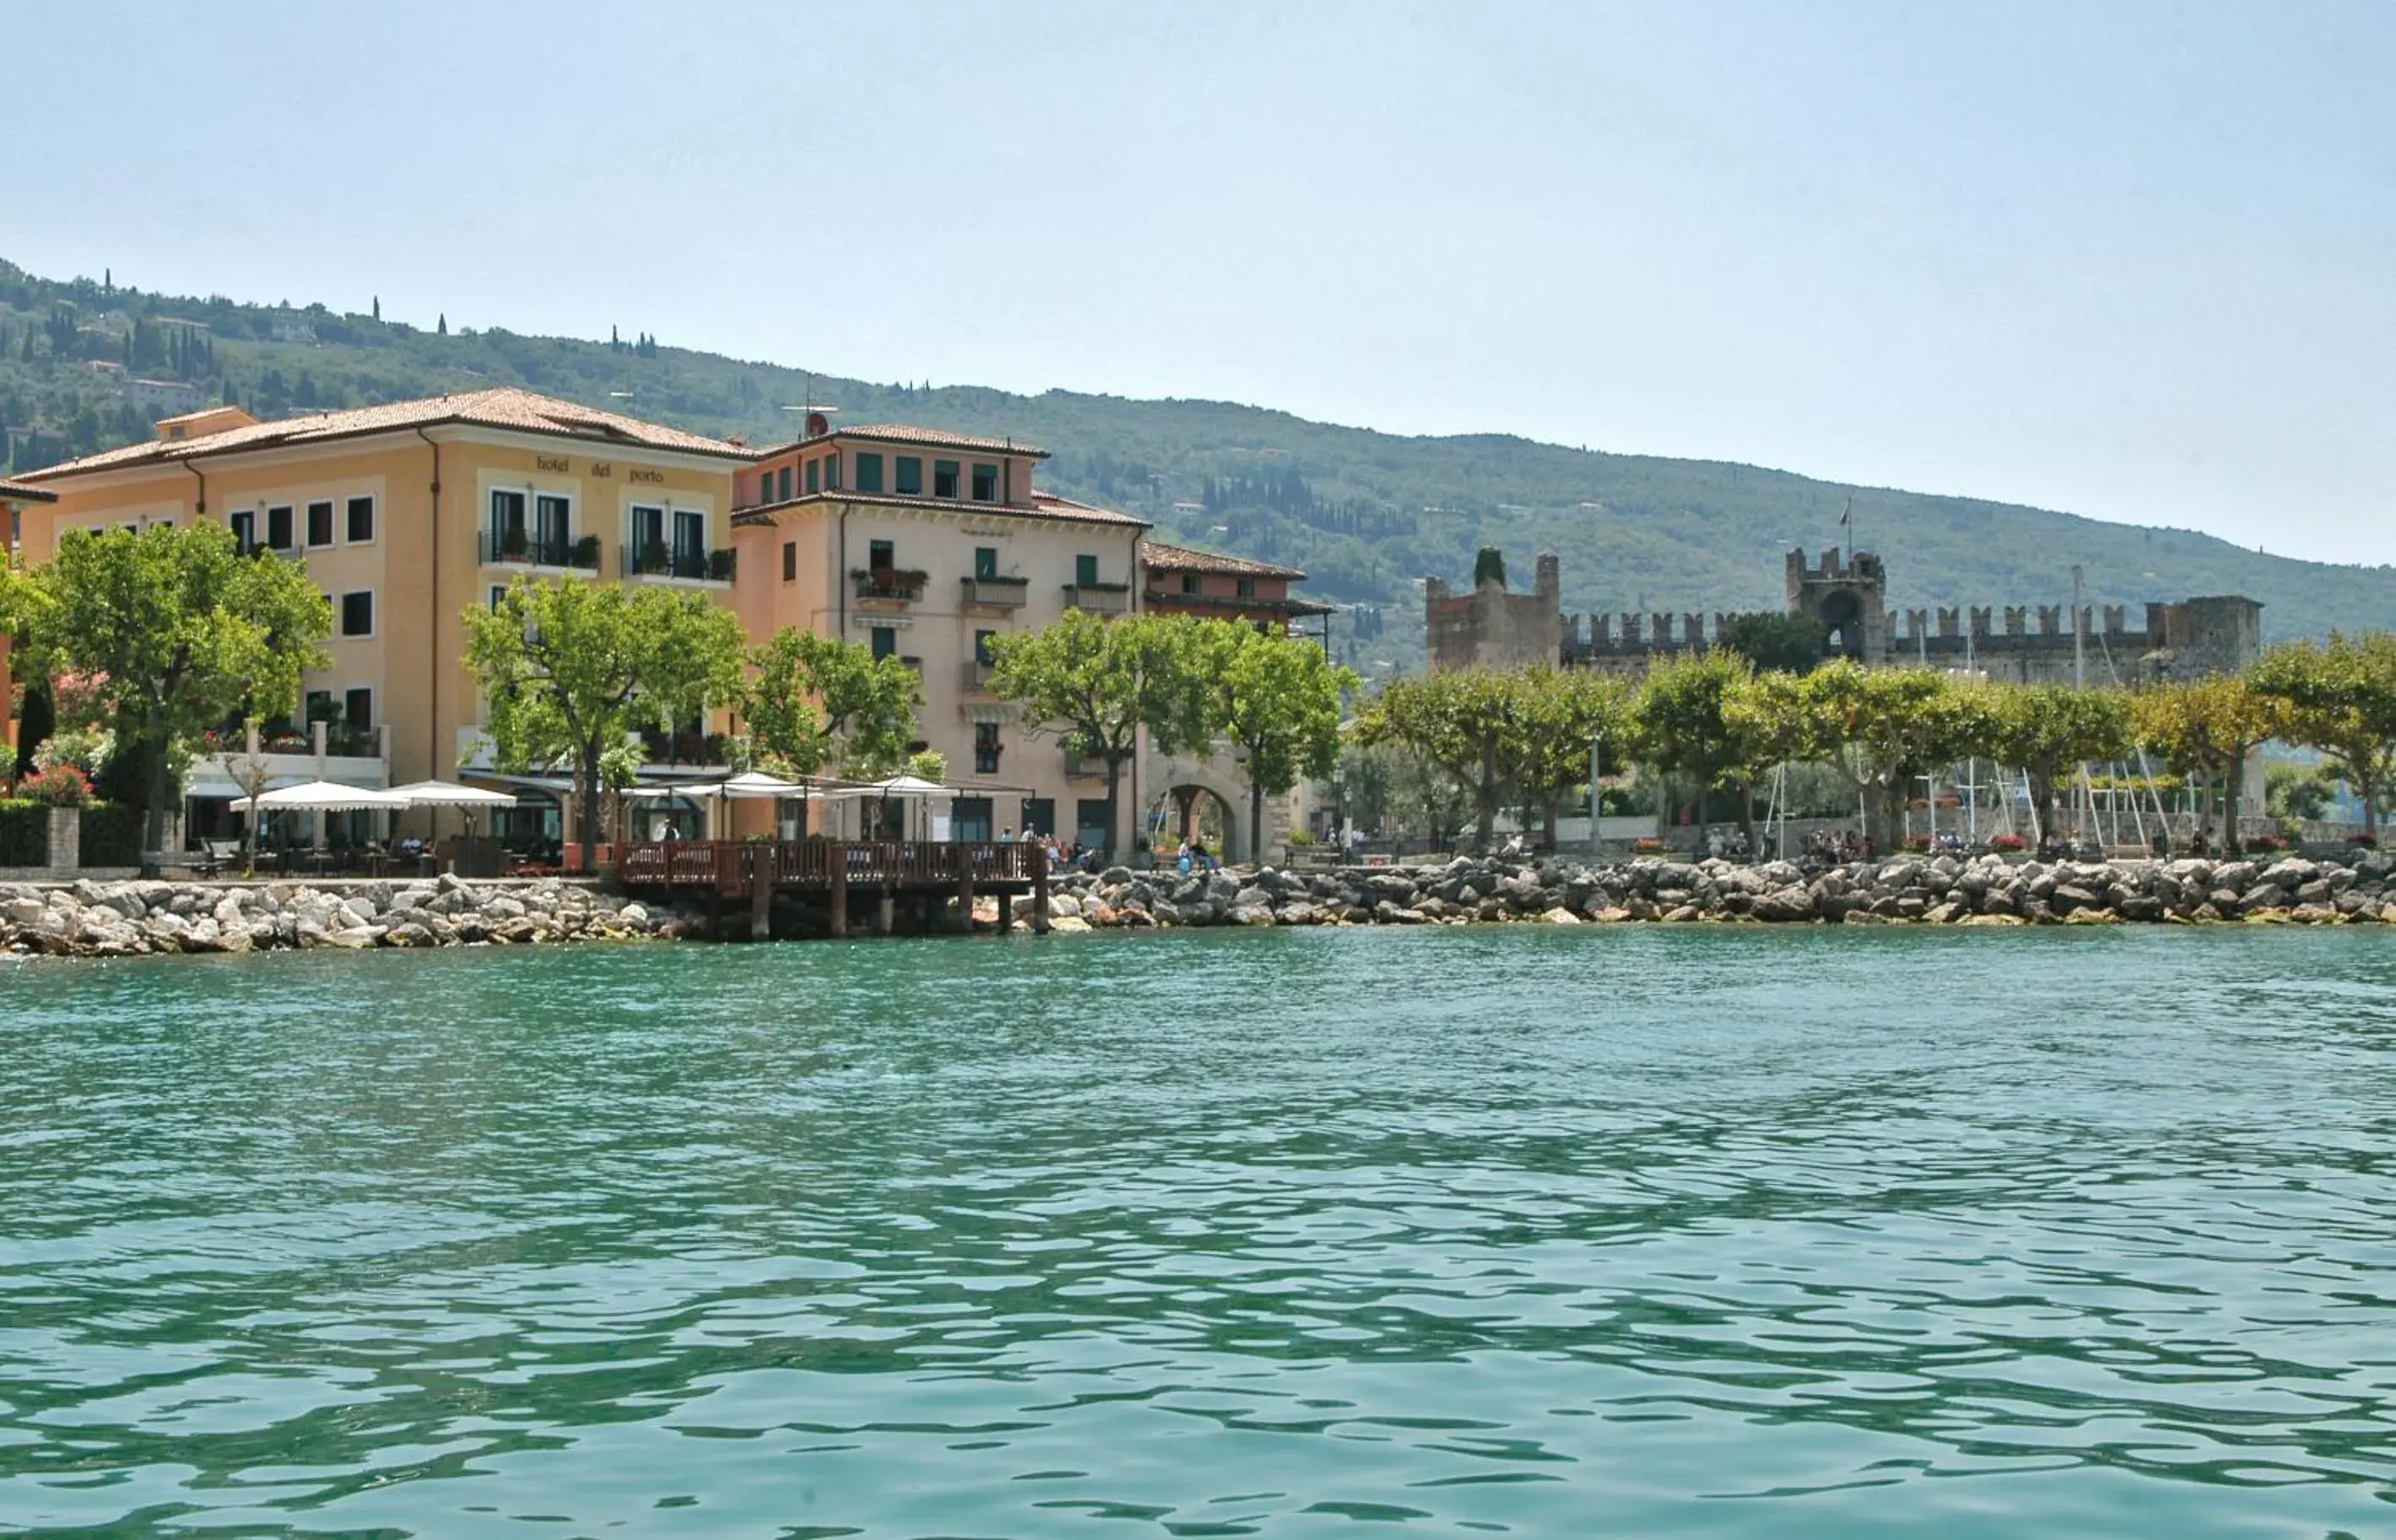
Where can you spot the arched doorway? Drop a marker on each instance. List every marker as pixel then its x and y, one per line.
pixel 1843 619
pixel 1181 811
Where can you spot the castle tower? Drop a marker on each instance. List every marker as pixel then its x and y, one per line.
pixel 1850 599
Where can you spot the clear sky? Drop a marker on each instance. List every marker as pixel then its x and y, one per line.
pixel 2133 259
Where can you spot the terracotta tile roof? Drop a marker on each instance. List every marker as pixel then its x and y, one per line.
pixel 902 432
pixel 1164 601
pixel 1161 557
pixel 1041 506
pixel 521 410
pixel 28 494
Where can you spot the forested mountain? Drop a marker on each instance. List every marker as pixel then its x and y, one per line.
pixel 1367 514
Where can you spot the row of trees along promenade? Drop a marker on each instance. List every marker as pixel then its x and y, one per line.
pixel 1720 723
pixel 173 634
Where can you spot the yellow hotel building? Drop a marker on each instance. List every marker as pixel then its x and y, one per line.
pixel 406 513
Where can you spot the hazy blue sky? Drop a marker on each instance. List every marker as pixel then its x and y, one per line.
pixel 2137 260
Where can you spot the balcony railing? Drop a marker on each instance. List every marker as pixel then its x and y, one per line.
pixel 687 563
pixel 510 548
pixel 1083 766
pixel 996 593
pixel 890 584
pixel 1098 598
pixel 978 672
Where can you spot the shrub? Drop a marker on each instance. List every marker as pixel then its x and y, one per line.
pixel 2365 841
pixel 2267 842
pixel 84 748
pixel 2010 843
pixel 60 784
pixel 1650 846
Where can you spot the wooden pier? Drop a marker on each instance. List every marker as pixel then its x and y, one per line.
pixel 886 870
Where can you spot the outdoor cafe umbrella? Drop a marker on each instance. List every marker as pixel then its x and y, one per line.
pixel 320 796
pixel 906 786
pixel 441 794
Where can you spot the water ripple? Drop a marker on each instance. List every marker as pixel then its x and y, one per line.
pixel 1690 1232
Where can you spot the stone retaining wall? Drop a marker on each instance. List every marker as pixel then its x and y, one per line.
pixel 1945 890
pixel 127 918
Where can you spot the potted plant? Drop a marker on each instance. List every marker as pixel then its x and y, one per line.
pixel 586 554
pixel 514 544
pixel 653 557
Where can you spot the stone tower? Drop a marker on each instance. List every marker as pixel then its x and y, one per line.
pixel 1849 598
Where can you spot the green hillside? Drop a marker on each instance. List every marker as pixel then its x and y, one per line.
pixel 1367 514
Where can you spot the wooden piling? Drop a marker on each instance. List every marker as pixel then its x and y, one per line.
pixel 839 885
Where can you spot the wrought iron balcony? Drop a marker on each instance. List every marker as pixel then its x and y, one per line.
pixel 513 546
pixel 892 585
pixel 688 563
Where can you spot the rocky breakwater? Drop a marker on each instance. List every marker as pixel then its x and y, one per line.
pixel 131 919
pixel 1987 890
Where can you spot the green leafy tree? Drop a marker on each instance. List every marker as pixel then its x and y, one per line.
pixel 176 631
pixel 1097 685
pixel 2046 731
pixel 1788 644
pixel 2298 793
pixel 818 703
pixel 1276 697
pixel 2339 698
pixel 1685 722
pixel 1557 719
pixel 1456 720
pixel 2205 729
pixel 1885 728
pixel 570 668
pixel 1489 567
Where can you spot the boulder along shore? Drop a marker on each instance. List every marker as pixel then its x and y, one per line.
pixel 127 918
pixel 1987 890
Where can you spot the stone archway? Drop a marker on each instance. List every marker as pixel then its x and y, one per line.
pixel 1190 808
pixel 1843 619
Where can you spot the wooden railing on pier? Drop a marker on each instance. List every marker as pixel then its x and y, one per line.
pixel 733 866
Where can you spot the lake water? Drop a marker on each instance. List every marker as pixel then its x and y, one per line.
pixel 1639 1231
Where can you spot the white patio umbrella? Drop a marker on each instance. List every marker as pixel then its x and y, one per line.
pixel 318 796
pixel 441 794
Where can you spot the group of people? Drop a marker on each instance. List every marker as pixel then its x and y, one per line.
pixel 1063 855
pixel 1839 844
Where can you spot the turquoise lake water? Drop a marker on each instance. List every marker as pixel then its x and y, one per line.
pixel 1637 1231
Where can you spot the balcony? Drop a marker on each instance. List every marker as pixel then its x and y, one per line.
pixel 995 592
pixel 514 548
pixel 888 585
pixel 1083 766
pixel 681 563
pixel 1098 598
pixel 978 672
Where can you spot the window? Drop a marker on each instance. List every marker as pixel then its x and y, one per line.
pixel 969 820
pixel 690 543
pixel 910 476
pixel 278 528
pixel 985 751
pixel 1085 570
pixel 316 706
pixel 985 561
pixel 508 533
pixel 789 560
pixel 782 485
pixel 320 523
pixel 885 642
pixel 1094 822
pixel 1188 583
pixel 981 645
pixel 552 522
pixel 881 555
pixel 811 476
pixel 832 472
pixel 869 472
pixel 357 613
pixel 498 592
pixel 985 485
pixel 362 520
pixel 358 707
pixel 1247 587
pixel 649 538
pixel 1039 816
pixel 244 529
pixel 944 478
